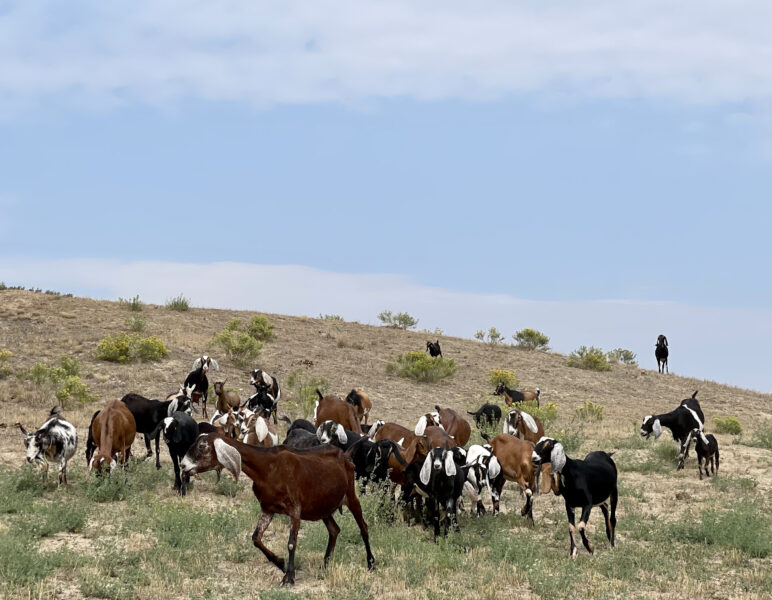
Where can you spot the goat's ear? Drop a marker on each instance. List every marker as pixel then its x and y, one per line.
pixel 214 362
pixel 197 364
pixel 557 458
pixel 420 426
pixel 228 457
pixel 342 434
pixel 23 431
pixel 426 470
pixel 450 464
pixel 494 467
pixel 656 428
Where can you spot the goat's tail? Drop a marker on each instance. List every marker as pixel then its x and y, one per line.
pixel 318 393
pixel 285 418
pixel 486 437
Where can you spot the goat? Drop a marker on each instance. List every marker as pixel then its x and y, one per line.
pixel 680 421
pixel 707 452
pixel 300 439
pixel 334 433
pixel 361 402
pixel 258 431
pixel 197 379
pixel 512 397
pixel 454 425
pixel 225 399
pixel 483 469
pixel 427 420
pixel 267 387
pixel 582 483
pixel 226 423
pixel 330 408
pixel 661 353
pixel 514 456
pixel 55 440
pixel 433 348
pixel 180 432
pixel 371 459
pixel 304 485
pixel 412 447
pixel 523 426
pixel 113 431
pixel 149 415
pixel 438 437
pixel 487 412
pixel 299 424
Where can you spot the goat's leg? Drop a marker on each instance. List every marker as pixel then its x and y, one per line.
pixel 613 519
pixel 717 457
pixel 203 400
pixel 452 507
pixel 356 509
pixel 571 531
pixel 63 471
pixel 699 466
pixel 257 540
pixel 147 444
pixel 604 510
pixel 583 526
pixel 496 498
pixel 177 481
pixel 289 576
pixel 333 530
pixel 157 454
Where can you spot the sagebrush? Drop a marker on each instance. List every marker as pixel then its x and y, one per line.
pixel 590 358
pixel 421 367
pixel 531 339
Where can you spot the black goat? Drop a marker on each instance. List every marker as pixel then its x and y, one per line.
pixel 487 412
pixel 661 353
pixel 300 438
pixel 433 348
pixel 371 459
pixel 197 379
pixel 180 432
pixel 681 422
pixel 262 402
pixel 268 391
pixel 149 415
pixel 583 484
pixel 299 424
pixel 707 452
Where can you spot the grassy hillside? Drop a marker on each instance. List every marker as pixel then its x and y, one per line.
pixel 676 535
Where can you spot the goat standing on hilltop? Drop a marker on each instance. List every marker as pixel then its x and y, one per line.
pixel 433 348
pixel 661 353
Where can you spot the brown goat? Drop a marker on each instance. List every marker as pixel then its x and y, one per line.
pixel 330 408
pixel 308 485
pixel 259 432
pixel 514 456
pixel 412 447
pixel 225 399
pixel 512 397
pixel 455 425
pixel 523 426
pixel 227 423
pixel 113 431
pixel 361 403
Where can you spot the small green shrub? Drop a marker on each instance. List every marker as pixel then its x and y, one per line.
pixel 620 355
pixel 70 365
pixel 124 347
pixel 180 303
pixel 571 439
pixel 5 369
pixel 728 424
pixel 505 376
pixel 531 339
pixel 135 323
pixel 336 318
pixel 592 359
pixel 762 438
pixel 151 349
pixel 133 304
pixel 39 373
pixel 116 348
pixel 109 487
pixel 479 335
pixel 401 320
pixel 302 390
pixel 589 411
pixel 421 367
pixel 260 328
pixel 75 389
pixel 240 348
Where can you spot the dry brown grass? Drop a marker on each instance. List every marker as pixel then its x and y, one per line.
pixel 42 328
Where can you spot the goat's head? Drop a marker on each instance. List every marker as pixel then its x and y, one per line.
pixel 210 451
pixel 354 398
pixel 511 422
pixel 547 450
pixel 101 462
pixel 651 425
pixel 432 418
pixel 35 443
pixel 499 389
pixel 171 430
pixel 661 341
pixel 260 378
pixel 219 387
pixel 330 431
pixel 434 463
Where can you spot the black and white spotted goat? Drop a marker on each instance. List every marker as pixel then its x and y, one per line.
pixel 707 451
pixel 55 441
pixel 197 378
pixel 484 472
pixel 681 421
pixel 583 484
pixel 267 394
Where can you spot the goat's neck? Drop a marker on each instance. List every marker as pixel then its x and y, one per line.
pixel 106 438
pixel 667 419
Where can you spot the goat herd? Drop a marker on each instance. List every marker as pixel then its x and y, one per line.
pixel 312 473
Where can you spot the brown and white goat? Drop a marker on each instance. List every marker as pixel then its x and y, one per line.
pixel 455 425
pixel 523 426
pixel 330 408
pixel 113 431
pixel 412 447
pixel 361 402
pixel 514 456
pixel 308 485
pixel 258 431
pixel 227 423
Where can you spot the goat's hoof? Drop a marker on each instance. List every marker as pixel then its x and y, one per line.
pixel 158 467
pixel 288 579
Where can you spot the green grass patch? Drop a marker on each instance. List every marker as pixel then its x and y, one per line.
pixel 421 367
pixel 589 411
pixel 179 303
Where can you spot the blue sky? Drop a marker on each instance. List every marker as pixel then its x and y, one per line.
pixel 555 154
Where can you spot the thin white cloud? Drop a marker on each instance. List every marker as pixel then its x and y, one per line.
pixel 267 53
pixel 729 345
